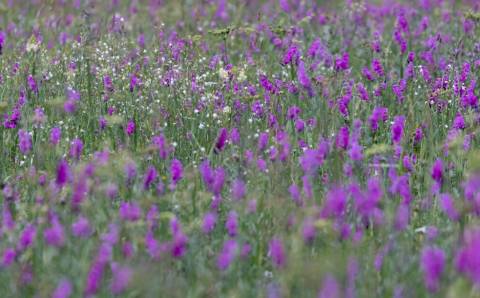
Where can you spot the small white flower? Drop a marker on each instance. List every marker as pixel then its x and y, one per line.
pixel 223 74
pixel 241 76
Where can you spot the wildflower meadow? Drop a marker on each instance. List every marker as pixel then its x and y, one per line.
pixel 229 148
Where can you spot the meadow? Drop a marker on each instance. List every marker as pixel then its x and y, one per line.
pixel 257 148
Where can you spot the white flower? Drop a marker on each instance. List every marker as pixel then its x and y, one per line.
pixel 32 45
pixel 223 73
pixel 241 76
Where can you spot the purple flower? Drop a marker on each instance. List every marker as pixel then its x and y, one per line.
pixel 437 171
pixel 54 235
pixel 262 141
pixel 232 223
pixel 308 230
pixel 7 220
pixel 152 216
pixel 209 221
pixel 330 288
pixel 63 173
pixel 69 106
pixel 12 120
pixel 290 55
pixel 299 125
pixel 362 91
pixel 206 172
pixel 238 189
pixel 397 129
pixel 76 148
pixel 79 190
pixel 24 141
pixel 235 136
pixel 3 36
pixel 343 62
pixel 130 128
pixel 377 67
pixel 134 82
pixel 102 122
pixel 277 253
pixel 73 95
pixel 176 171
pixel 32 84
pixel 293 112
pixel 55 135
pixel 367 74
pixel 341 140
pixel 245 251
pixel 111 191
pixel 153 247
pixel 130 170
pixel 303 78
pixel 378 114
pixel 471 187
pixel 307 187
pixel 161 144
pixel 315 47
pixel 398 90
pixel 127 250
pixel 467 260
pixel 268 86
pixel 121 276
pixel 94 278
pixel 459 121
pixel 27 237
pixel 63 290
pixel 109 238
pixel 400 40
pixel 213 179
pixel 81 227
pixel 447 205
pixel 149 177
pixel 295 194
pixel 402 217
pixel 432 262
pixel 311 160
pixel 418 135
pixel 221 140
pixel 227 254
pixel 335 203
pixel 130 211
pixel 105 252
pixel 39 116
pixel 355 153
pixel 8 256
pixel 366 202
pixel 107 83
pixel 222 10
pixel 179 243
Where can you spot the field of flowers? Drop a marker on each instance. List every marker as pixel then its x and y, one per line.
pixel 256 148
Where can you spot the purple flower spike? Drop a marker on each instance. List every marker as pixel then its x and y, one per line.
pixel 63 290
pixel 232 224
pixel 277 253
pixel 433 263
